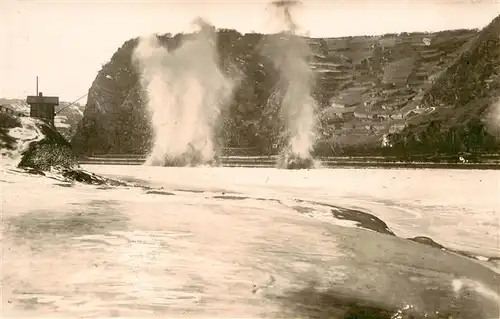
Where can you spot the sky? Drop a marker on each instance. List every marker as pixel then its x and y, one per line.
pixel 66 42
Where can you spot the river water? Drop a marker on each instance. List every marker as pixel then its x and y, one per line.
pixel 253 243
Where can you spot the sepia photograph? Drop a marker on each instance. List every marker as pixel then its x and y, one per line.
pixel 291 159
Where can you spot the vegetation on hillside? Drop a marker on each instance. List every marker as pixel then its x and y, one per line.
pixel 7 122
pixel 462 97
pixel 434 139
pixel 366 88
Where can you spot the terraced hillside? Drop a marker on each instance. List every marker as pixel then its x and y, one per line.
pixel 366 87
pixel 466 102
pixel 380 81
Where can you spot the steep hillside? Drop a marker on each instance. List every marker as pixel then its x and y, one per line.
pixel 366 87
pixel 462 99
pixel 67 117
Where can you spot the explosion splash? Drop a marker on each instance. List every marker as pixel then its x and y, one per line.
pixel 185 92
pixel 290 54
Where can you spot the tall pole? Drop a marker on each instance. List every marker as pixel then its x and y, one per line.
pixel 37 85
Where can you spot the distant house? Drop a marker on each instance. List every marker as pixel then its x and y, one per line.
pixel 370 128
pixel 43 107
pixel 349 115
pixel 386 142
pixel 339 111
pixel 396 128
pixel 360 115
pixel 414 112
pixel 333 104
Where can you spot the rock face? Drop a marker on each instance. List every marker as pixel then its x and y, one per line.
pixel 365 86
pixel 115 118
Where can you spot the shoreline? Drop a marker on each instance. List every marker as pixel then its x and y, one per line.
pixel 270 162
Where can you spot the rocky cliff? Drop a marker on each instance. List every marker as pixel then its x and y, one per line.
pixel 365 87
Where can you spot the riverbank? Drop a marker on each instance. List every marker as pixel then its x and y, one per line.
pixel 492 163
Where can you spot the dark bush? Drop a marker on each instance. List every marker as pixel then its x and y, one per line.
pixel 43 156
pixel 52 151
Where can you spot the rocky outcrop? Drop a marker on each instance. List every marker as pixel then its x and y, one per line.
pixel 114 117
pixel 50 151
pixel 364 85
pixel 36 147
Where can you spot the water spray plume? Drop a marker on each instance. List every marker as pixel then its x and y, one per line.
pixel 185 92
pixel 290 54
pixel 493 120
pixel 285 6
